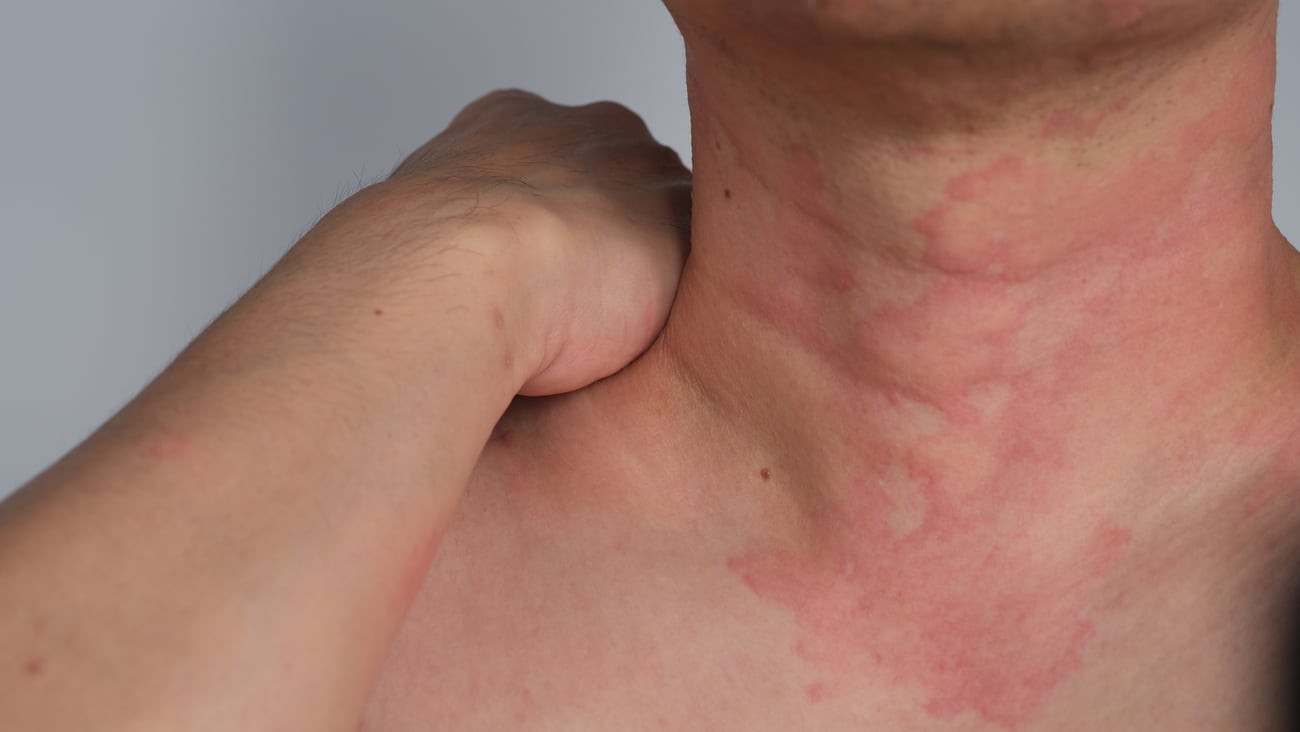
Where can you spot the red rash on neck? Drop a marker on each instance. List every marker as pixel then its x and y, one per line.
pixel 1124 13
pixel 941 573
pixel 978 624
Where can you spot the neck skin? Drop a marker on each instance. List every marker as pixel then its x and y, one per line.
pixel 990 343
pixel 984 276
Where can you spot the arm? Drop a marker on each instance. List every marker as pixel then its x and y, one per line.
pixel 236 548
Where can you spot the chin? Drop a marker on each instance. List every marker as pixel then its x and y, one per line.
pixel 958 23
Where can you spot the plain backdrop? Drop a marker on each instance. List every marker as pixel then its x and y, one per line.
pixel 160 155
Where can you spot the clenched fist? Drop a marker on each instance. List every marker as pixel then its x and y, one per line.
pixel 587 216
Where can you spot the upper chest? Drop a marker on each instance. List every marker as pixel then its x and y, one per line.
pixel 541 616
pixel 576 606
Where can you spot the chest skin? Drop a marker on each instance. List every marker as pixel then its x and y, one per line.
pixel 542 613
pixel 573 592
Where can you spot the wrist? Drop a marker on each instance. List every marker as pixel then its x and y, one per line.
pixel 401 277
pixel 489 258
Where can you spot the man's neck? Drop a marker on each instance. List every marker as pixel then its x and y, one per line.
pixel 1095 269
pixel 976 370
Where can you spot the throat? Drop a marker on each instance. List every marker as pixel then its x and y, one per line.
pixel 972 373
pixel 1099 268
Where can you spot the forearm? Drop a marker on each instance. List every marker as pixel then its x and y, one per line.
pixel 236 549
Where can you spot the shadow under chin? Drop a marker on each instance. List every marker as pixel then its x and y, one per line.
pixel 986 25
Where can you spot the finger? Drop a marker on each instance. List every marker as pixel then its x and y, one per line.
pixel 497 102
pixel 614 117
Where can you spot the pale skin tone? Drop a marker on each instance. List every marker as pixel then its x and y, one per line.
pixel 975 410
pixel 236 549
pixel 1037 300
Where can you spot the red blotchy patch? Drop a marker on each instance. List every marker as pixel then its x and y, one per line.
pixel 944 577
pixel 34 667
pixel 978 620
pixel 1122 14
pixel 818 270
pixel 983 245
pixel 166 447
pixel 966 599
pixel 976 183
pixel 810 194
pixel 977 599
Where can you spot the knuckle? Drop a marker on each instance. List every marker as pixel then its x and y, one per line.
pixel 499 99
pixel 512 94
pixel 613 113
pixel 606 106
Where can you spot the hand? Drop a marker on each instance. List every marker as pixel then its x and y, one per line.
pixel 598 212
pixel 310 447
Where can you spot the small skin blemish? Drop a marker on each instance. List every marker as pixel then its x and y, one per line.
pixel 765 474
pixel 1121 14
pixel 34 667
pixel 166 447
pixel 378 311
pixel 726 192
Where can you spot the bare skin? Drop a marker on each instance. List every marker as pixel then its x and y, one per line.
pixel 237 548
pixel 976 409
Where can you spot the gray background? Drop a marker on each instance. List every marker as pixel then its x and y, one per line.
pixel 160 155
